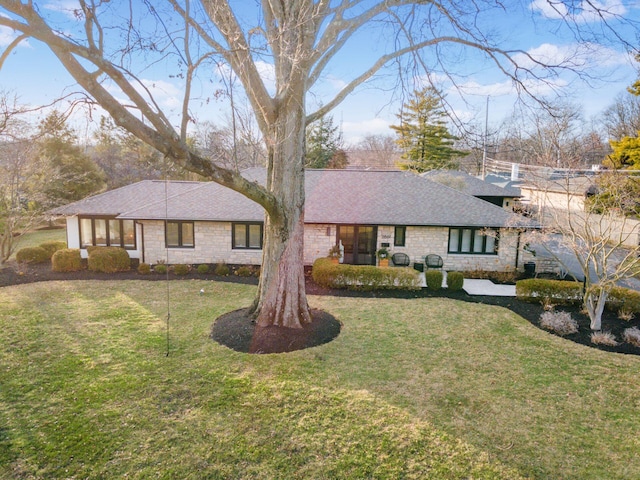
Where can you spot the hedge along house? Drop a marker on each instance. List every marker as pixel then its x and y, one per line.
pixel 203 222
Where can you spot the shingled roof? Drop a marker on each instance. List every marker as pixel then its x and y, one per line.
pixel 469 184
pixel 332 196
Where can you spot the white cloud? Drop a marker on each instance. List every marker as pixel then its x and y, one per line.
pixel 536 87
pixel 579 57
pixel 266 71
pixel 587 11
pixel 353 132
pixel 8 35
pixel 68 8
pixel 549 54
pixel 165 94
pixel 493 89
pixel 336 83
pixel 551 10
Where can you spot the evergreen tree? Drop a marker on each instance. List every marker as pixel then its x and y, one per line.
pixel 68 174
pixel 422 134
pixel 626 153
pixel 323 149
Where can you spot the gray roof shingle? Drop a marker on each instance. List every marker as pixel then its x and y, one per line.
pixel 469 184
pixel 332 196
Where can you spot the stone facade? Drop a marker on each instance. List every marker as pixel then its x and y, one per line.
pixel 213 245
pixel 318 239
pixel 422 241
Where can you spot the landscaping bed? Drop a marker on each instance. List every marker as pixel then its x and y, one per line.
pixel 15 274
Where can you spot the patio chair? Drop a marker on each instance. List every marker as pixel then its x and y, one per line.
pixel 400 260
pixel 433 261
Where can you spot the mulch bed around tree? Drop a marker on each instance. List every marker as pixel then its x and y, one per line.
pixel 236 329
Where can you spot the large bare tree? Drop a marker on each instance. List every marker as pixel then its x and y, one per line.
pixel 114 43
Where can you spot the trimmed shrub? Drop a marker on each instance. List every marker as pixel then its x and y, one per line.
pixel 537 289
pixel 508 276
pixel 632 336
pixel 66 260
pixel 109 260
pixel 363 277
pixel 559 322
pixel 434 279
pixel 32 255
pixel 52 246
pixel 181 269
pixel 203 269
pixel 624 299
pixel 604 338
pixel 455 280
pixel 244 271
pixel 161 268
pixel 144 269
pixel 221 270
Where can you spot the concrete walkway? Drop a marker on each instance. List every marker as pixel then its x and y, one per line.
pixel 479 287
pixel 475 286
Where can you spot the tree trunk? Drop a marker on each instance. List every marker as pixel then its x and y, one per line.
pixel 281 299
pixel 595 302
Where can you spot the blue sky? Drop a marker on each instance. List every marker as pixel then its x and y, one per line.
pixel 536 27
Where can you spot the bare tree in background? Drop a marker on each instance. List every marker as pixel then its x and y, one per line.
pixel 18 210
pixel 235 145
pixel 300 39
pixel 379 151
pixel 622 118
pixel 555 137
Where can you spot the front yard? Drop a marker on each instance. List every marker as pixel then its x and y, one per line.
pixel 411 388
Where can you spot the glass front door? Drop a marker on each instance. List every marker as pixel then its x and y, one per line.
pixel 359 242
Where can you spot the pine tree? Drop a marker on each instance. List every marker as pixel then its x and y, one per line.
pixel 68 174
pixel 324 143
pixel 423 136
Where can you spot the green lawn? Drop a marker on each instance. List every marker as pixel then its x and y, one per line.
pixel 424 388
pixel 35 238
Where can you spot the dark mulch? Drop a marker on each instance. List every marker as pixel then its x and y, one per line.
pixel 236 329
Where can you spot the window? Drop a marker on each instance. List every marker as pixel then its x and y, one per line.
pixel 179 235
pixel 107 232
pixel 481 241
pixel 246 235
pixel 399 237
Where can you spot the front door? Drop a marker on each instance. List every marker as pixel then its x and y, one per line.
pixel 359 242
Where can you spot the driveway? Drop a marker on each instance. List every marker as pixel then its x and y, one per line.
pixel 555 249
